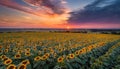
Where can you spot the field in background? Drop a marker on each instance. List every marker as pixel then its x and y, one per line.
pixel 46 50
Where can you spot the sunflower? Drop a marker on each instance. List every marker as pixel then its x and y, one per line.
pixel 1 51
pixel 60 59
pixel 28 49
pixel 55 55
pixel 71 56
pixel 34 48
pixel 52 52
pixel 50 48
pixel 6 50
pixel 6 58
pixel 3 56
pixel 92 46
pixel 11 66
pixel 60 49
pixel 44 57
pixel 64 49
pixel 80 51
pixel 101 44
pixel 22 66
pixel 67 57
pixel 18 56
pixel 77 53
pixel 37 58
pixel 8 61
pixel 45 49
pixel 84 50
pixel 0 47
pixel 39 52
pixel 14 50
pixel 47 54
pixel 19 51
pixel 89 49
pixel 25 62
pixel 27 53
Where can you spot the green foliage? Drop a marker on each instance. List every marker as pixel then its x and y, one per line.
pixel 38 50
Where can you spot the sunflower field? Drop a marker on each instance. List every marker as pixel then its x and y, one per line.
pixel 45 50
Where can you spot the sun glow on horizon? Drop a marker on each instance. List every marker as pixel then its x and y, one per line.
pixel 68 27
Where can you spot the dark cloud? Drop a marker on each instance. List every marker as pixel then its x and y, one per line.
pixel 100 11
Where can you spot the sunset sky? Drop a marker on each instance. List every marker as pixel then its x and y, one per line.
pixel 60 14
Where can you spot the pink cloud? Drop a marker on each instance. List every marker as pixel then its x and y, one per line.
pixel 43 11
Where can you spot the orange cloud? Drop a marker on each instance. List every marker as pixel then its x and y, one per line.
pixel 52 11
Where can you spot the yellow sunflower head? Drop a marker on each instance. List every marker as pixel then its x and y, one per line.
pixel 60 49
pixel 1 51
pixel 67 57
pixel 18 56
pixel 45 49
pixel 27 54
pixel 8 61
pixel 0 47
pixel 28 49
pixel 22 66
pixel 11 66
pixel 37 58
pixel 34 48
pixel 6 58
pixel 71 56
pixel 39 52
pixel 60 59
pixel 44 57
pixel 77 53
pixel 6 50
pixel 25 62
pixel 3 56
pixel 80 51
pixel 47 54
pixel 19 51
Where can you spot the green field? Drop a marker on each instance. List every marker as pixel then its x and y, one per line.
pixel 45 50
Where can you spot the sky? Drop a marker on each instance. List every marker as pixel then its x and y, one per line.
pixel 87 14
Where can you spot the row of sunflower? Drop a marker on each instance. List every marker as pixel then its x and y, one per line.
pixel 111 59
pixel 66 51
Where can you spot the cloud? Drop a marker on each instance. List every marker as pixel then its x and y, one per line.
pixel 55 6
pixel 51 10
pixel 14 5
pixel 100 11
pixel 44 8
